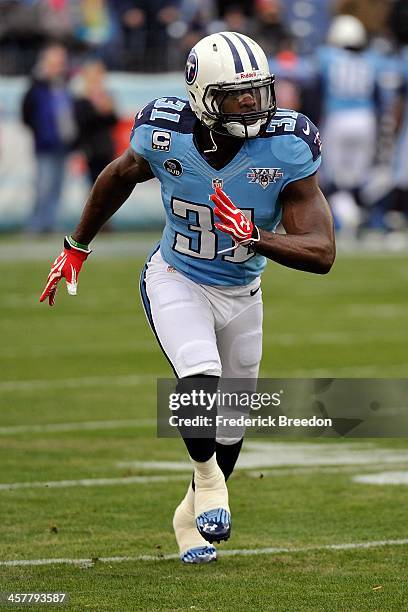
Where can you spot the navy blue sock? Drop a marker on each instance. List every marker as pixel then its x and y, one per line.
pixel 199 449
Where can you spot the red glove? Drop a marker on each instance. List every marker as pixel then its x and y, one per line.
pixel 234 222
pixel 67 265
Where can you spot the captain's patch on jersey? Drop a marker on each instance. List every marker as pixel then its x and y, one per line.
pixel 217 182
pixel 161 140
pixel 173 166
pixel 264 176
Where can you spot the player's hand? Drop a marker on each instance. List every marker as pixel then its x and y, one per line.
pixel 233 220
pixel 68 265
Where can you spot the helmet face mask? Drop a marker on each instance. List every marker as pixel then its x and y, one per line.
pixel 230 87
pixel 224 106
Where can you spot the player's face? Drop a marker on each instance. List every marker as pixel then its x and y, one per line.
pixel 242 101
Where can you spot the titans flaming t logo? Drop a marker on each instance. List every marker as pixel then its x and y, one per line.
pixel 191 68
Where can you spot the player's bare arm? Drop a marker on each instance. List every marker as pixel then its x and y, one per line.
pixel 309 242
pixel 111 189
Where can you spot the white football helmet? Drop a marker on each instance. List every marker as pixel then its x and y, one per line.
pixel 347 31
pixel 229 84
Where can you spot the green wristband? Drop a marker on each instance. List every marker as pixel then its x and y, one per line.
pixel 78 245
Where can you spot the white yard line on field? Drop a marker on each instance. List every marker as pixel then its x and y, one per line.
pixel 395 370
pixel 345 469
pixel 338 338
pixel 85 426
pixel 73 383
pixel 23 248
pixel 383 478
pixel 261 455
pixel 226 553
pixel 400 369
pixel 134 344
pixel 88 482
pixel 44 350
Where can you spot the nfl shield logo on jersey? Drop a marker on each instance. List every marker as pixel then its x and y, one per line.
pixel 217 182
pixel 264 176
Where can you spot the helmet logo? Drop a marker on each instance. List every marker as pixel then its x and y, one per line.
pixel 191 68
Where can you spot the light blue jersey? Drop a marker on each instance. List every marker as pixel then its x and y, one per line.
pixel 348 79
pixel 254 179
pixel 400 161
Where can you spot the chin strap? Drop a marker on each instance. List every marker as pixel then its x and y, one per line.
pixel 214 148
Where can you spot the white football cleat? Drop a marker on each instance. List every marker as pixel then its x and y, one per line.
pixel 193 547
pixel 211 508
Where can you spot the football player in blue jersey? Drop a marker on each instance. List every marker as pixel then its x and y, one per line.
pixel 349 77
pixel 201 285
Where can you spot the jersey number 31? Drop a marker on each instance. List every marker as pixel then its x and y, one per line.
pixel 202 244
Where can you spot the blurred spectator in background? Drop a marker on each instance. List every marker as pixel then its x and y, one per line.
pixel 373 14
pixel 145 26
pixel 195 18
pixel 223 6
pixel 295 81
pixel 22 33
pixel 234 20
pixel 348 119
pixel 92 23
pixel 309 22
pixel 399 21
pixel 270 31
pixel 49 113
pixel 95 117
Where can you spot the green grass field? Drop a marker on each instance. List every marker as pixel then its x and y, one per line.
pixel 77 401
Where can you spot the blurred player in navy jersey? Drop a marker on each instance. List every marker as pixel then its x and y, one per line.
pixel 201 285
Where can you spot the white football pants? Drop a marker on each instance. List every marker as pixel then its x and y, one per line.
pixel 202 329
pixel 350 151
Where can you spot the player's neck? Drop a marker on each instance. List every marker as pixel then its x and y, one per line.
pixel 217 149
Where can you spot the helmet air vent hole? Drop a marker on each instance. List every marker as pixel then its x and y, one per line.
pixel 215 47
